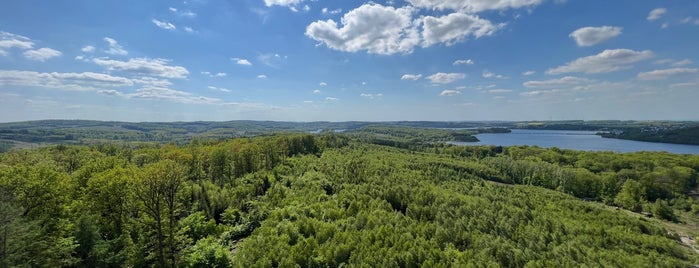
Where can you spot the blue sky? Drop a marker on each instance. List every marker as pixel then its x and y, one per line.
pixel 310 60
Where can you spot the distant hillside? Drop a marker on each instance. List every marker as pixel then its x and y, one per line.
pixel 689 135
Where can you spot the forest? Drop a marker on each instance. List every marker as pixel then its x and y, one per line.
pixel 342 199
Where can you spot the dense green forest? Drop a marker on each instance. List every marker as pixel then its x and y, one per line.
pixel 335 199
pixel 680 135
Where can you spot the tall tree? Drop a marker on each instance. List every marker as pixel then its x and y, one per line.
pixel 158 194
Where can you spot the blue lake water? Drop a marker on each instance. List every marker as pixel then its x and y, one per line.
pixel 576 140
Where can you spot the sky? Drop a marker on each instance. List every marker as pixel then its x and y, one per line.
pixel 321 60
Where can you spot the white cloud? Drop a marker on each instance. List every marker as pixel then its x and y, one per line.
pixel 317 91
pixel 152 81
pixel 66 81
pixel 488 74
pixel 306 8
pixel 188 29
pixel 387 30
pixel 167 94
pixel 535 93
pixel 371 96
pixel 322 84
pixel 656 14
pixel 240 61
pixel 114 47
pixel 463 62
pixel 666 73
pixel 183 13
pixel 331 99
pixel 270 3
pixel 682 63
pixel 560 82
pixel 590 36
pixel 164 25
pixel 411 77
pixel 454 28
pixel 372 27
pixel 219 89
pixel 88 49
pixel 445 78
pixel 499 91
pixel 325 10
pixel 261 76
pixel 146 66
pixel 473 6
pixel 607 61
pixel 450 92
pixel 209 74
pixel 42 54
pixel 528 73
pixel 10 40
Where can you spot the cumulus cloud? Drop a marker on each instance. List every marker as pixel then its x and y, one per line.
pixel 240 61
pixel 42 54
pixel 445 78
pixel 528 73
pixel 605 62
pixel 463 62
pixel 656 14
pixel 387 30
pixel 114 47
pixel 474 6
pixel 372 27
pixel 317 91
pixel 666 73
pixel 88 49
pixel 560 82
pixel 454 28
pixel 450 92
pixel 411 77
pixel 164 25
pixel 66 81
pixel 322 84
pixel 262 76
pixel 331 99
pixel 590 36
pixel 145 66
pixel 10 40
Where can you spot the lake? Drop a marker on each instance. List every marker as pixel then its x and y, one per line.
pixel 576 140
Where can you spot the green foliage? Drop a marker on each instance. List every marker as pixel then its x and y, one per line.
pixel 631 196
pixel 333 200
pixel 207 252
